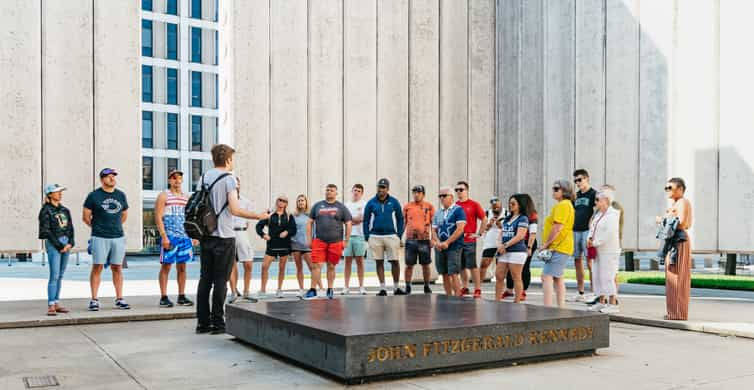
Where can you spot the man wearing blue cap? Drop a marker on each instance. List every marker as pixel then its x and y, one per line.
pixel 105 211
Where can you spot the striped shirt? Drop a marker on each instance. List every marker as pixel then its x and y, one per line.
pixel 174 215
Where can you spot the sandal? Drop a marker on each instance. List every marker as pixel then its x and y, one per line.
pixel 61 309
pixel 51 311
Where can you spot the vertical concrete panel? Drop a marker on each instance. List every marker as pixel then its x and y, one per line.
pixel 531 124
pixel 508 94
pixel 559 91
pixel 655 74
pixel 696 113
pixel 622 110
pixel 288 96
pixel 482 98
pixel 21 102
pixel 208 90
pixel 736 182
pixel 159 39
pixel 117 116
pixel 67 102
pixel 424 100
pixel 393 96
pixel 454 88
pixel 159 174
pixel 159 84
pixel 360 94
pixel 325 95
pixel 208 45
pixel 590 89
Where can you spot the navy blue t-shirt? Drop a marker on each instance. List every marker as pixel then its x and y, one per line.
pixel 107 208
pixel 510 226
pixel 446 222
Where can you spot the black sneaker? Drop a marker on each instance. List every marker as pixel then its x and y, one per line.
pixel 217 330
pixel 427 290
pixel 121 304
pixel 94 305
pixel 165 302
pixel 398 291
pixel 203 329
pixel 183 301
pixel 408 289
pixel 382 293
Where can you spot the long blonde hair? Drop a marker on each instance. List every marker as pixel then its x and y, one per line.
pixel 306 208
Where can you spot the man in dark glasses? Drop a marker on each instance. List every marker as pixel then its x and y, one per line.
pixel 584 204
pixel 474 212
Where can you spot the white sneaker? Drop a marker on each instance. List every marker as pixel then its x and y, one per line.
pixel 576 298
pixel 362 290
pixel 610 309
pixel 300 293
pixel 280 294
pixel 345 291
pixel 597 307
pixel 232 298
pixel 590 298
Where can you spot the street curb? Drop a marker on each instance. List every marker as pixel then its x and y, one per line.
pixel 682 325
pixel 97 320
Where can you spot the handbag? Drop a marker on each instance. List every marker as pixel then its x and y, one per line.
pixel 591 252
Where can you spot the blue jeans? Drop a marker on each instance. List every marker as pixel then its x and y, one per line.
pixel 57 262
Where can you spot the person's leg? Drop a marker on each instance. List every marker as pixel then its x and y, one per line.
pixel 265 272
pixel 500 270
pixel 310 264
pixel 299 269
pixel 484 267
pixel 347 272
pixel 426 273
pixel 100 252
pixel 455 283
pixel 117 254
pixel 360 270
pixel 518 284
pixel 578 263
pixel 61 271
pixel 316 275
pixel 547 289
pixel 591 280
pixel 395 269
pixel 509 281
pixel 377 246
pixel 447 284
pixel 464 274
pixel 233 279
pixel 330 274
pixel 248 266
pixel 281 271
pixel 560 291
pixel 163 278
pixel 526 273
pixel 117 271
pixel 381 272
pixel 53 261
pixel 224 262
pixel 95 278
pixel 180 277
pixel 205 282
pixel 408 273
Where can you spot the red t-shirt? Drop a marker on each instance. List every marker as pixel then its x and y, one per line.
pixel 474 212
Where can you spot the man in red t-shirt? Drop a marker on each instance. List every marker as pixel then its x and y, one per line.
pixel 474 212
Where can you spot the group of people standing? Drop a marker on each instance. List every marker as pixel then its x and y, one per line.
pixel 585 225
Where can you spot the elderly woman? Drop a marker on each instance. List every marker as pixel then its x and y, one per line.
pixel 558 236
pixel 604 237
pixel 678 264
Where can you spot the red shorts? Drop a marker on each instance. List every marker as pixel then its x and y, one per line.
pixel 329 252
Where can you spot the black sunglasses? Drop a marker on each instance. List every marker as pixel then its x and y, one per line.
pixel 668 188
pixel 460 189
pixel 555 189
pixel 442 195
pixel 577 180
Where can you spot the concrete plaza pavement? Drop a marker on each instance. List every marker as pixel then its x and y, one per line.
pixel 168 355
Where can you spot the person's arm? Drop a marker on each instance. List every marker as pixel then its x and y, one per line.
pixel 123 216
pixel 45 230
pixel 605 229
pixel 520 236
pixel 159 212
pixel 556 228
pixel 483 226
pixel 309 225
pixel 684 214
pixel 365 223
pixel 457 233
pixel 71 232
pixel 291 229
pixel 532 235
pixel 434 238
pixel 260 228
pixel 86 216
pixel 348 231
pixel 235 208
pixel 398 218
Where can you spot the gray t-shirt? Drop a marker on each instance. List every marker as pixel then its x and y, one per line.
pixel 328 220
pixel 298 242
pixel 219 196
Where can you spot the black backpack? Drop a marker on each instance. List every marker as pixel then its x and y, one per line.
pixel 201 219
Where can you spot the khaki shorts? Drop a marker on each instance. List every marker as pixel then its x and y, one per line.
pixel 384 247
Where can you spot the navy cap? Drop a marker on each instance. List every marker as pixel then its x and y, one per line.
pixel 418 188
pixel 107 172
pixel 383 183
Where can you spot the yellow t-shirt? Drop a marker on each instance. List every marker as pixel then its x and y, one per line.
pixel 562 213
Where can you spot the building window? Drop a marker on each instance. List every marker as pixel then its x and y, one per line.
pixel 196 133
pixel 146 5
pixel 172 85
pixel 146 83
pixel 147 167
pixel 172 131
pixel 196 89
pixel 172 165
pixel 196 9
pixel 146 38
pixel 147 129
pixel 172 7
pixel 217 6
pixel 172 52
pixel 196 172
pixel 217 93
pixel 196 44
pixel 216 46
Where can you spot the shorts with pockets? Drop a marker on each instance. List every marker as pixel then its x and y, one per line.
pixel 326 252
pixel 448 261
pixel 181 251
pixel 108 250
pixel 556 266
pixel 579 243
pixel 468 255
pixel 356 247
pixel 384 247
pixel 417 250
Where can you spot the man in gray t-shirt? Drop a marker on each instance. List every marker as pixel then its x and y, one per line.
pixel 325 233
pixel 219 249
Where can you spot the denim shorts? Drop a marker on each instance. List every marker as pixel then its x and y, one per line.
pixel 448 261
pixel 579 244
pixel 468 255
pixel 556 265
pixel 108 250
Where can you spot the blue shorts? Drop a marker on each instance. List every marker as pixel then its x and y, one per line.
pixel 181 251
pixel 356 247
pixel 556 265
pixel 579 244
pixel 108 250
pixel 448 261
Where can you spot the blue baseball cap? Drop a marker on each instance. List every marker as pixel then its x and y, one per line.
pixel 51 188
pixel 107 172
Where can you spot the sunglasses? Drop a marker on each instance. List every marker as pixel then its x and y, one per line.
pixel 577 180
pixel 555 189
pixel 382 187
pixel 442 195
pixel 460 189
pixel 668 188
pixel 282 200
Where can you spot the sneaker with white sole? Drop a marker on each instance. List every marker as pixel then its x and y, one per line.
pixel 121 304
pixel 576 298
pixel 596 307
pixel 345 291
pixel 591 299
pixel 232 298
pixel 300 293
pixel 610 309
pixel 94 305
pixel 362 290
pixel 280 294
pixel 311 294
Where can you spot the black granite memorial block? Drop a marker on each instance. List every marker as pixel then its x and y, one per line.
pixel 358 339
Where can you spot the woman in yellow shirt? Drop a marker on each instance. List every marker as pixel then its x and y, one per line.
pixel 558 235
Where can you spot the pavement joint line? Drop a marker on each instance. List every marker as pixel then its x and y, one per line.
pixel 111 357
